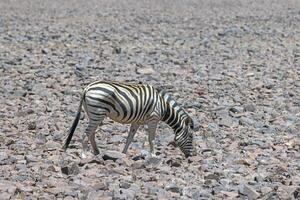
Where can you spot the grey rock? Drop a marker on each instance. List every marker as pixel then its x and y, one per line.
pixel 113 155
pixel 261 144
pixel 247 190
pixel 51 145
pixel 125 185
pixel 117 138
pixel 213 127
pixel 173 163
pixel 95 159
pixel 174 188
pixel 136 188
pixel 153 161
pixel 6 195
pixel 20 93
pixel 127 194
pixel 41 138
pixel 214 176
pixel 71 169
pixel 246 121
pixel 151 189
pixel 201 194
pixel 3 156
pixel 249 108
pixel 21 167
pixel 145 71
pixel 226 121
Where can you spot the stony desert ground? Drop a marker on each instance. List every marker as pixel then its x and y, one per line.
pixel 234 65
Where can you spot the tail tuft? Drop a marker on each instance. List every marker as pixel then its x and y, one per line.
pixel 74 125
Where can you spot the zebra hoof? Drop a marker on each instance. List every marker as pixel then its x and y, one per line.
pixel 97 152
pixel 83 155
pixel 153 155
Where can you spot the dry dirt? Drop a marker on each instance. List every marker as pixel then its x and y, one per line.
pixel 233 64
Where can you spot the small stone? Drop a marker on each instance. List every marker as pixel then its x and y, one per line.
pixel 20 93
pixel 44 51
pixel 73 169
pixel 124 185
pixel 213 176
pixel 249 108
pixel 51 168
pixel 100 186
pixel 5 195
pixel 226 121
pixel 174 188
pixel 65 170
pixel 266 190
pixel 246 121
pixel 248 191
pixel 51 145
pixel 127 194
pixel 116 139
pixel 113 155
pixel 95 159
pixel 117 50
pixel 153 161
pixel 30 111
pixel 138 165
pixel 41 139
pixel 145 71
pixel 286 192
pixel 138 157
pixel 213 127
pixel 3 155
pixel 69 198
pixel 152 189
pixel 125 161
pixel 230 195
pixel 31 126
pixel 173 163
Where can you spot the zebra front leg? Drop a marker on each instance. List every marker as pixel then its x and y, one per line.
pixel 132 131
pixel 152 125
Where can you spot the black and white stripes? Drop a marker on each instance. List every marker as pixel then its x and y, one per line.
pixel 136 105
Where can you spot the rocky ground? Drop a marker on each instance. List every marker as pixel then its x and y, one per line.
pixel 234 66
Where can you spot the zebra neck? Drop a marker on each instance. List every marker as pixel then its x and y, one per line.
pixel 172 117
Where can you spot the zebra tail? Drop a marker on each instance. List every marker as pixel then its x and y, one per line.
pixel 74 125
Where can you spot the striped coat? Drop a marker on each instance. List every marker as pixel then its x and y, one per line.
pixel 136 105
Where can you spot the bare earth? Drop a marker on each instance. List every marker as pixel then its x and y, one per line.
pixel 233 64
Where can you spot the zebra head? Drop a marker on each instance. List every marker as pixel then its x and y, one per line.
pixel 184 138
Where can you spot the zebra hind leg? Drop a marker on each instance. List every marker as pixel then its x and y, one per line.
pixel 132 131
pixel 90 133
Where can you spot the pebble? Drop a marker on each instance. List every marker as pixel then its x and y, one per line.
pixel 250 192
pixel 113 155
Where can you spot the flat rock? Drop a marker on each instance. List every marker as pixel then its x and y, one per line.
pixel 113 155
pixel 250 192
pixel 145 71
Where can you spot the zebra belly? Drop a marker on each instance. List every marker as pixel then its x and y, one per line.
pixel 121 120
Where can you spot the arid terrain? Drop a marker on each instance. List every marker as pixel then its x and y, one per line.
pixel 234 65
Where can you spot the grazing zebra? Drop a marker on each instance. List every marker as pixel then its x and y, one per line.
pixel 136 105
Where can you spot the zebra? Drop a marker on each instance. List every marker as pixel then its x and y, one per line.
pixel 135 104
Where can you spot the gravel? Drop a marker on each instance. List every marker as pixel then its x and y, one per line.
pixel 233 65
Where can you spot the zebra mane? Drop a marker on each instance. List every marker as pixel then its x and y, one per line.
pixel 168 99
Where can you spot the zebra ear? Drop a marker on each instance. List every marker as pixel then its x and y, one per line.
pixel 190 122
